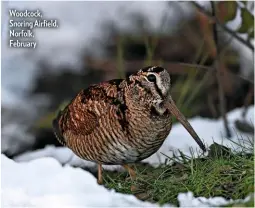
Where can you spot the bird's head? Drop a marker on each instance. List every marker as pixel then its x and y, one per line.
pixel 156 80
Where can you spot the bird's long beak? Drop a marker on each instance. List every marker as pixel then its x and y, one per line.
pixel 175 111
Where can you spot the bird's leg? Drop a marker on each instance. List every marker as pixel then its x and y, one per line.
pixel 132 174
pixel 99 174
pixel 130 171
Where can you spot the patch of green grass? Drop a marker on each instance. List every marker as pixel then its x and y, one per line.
pixel 222 173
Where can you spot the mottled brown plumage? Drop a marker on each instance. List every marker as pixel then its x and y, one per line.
pixel 120 121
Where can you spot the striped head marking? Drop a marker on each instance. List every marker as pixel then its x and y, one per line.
pixel 156 79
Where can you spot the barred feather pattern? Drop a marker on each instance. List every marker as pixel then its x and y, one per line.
pixel 113 123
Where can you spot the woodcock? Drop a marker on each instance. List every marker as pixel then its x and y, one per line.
pixel 121 121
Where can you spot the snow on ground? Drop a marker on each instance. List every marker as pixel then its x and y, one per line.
pixel 188 200
pixel 45 183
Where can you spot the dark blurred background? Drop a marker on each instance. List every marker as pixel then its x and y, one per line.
pixel 98 41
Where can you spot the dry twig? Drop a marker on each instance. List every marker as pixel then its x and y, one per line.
pixel 218 68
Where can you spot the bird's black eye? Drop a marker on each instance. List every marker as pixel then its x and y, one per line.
pixel 151 78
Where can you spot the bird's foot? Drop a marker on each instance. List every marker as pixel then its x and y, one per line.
pixel 100 182
pixel 140 192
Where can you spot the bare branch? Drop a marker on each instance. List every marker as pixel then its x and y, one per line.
pixel 218 68
pixel 198 66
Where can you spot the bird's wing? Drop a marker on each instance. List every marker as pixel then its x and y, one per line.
pixel 82 115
